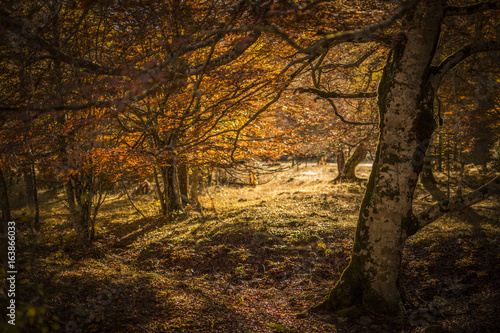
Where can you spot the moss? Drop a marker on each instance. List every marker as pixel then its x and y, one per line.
pixel 373 302
pixel 277 327
pixel 349 313
pixel 301 315
pixel 425 242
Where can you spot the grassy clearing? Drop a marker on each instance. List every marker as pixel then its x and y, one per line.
pixel 262 255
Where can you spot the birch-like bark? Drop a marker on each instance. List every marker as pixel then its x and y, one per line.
pixel 406 125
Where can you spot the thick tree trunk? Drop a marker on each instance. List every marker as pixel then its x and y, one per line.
pixel 406 123
pixel 348 172
pixel 184 180
pixel 171 195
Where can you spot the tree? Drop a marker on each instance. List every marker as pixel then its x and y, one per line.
pixel 170 92
pixel 405 97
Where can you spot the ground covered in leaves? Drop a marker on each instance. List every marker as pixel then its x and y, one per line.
pixel 261 255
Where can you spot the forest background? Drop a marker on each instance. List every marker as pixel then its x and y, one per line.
pixel 142 140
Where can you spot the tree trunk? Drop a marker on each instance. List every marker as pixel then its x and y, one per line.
pixel 340 162
pixel 70 196
pixel 427 176
pixel 184 180
pixel 159 192
pixel 193 184
pixel 349 170
pixel 405 103
pixel 171 195
pixel 32 194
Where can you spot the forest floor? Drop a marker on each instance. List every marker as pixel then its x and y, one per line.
pixel 261 255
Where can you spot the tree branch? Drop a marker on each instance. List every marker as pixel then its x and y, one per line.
pixel 228 56
pixel 22 30
pixel 61 107
pixel 331 94
pixel 364 33
pixel 336 111
pixel 438 72
pixel 468 10
pixel 357 63
pixel 455 203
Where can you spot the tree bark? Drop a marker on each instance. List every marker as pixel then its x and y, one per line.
pixel 159 192
pixel 171 196
pixel 405 103
pixel 340 162
pixel 184 180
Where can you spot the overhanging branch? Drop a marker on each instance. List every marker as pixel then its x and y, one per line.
pixel 455 203
pixel 438 72
pixel 21 30
pixel 332 94
pixel 367 32
pixel 61 107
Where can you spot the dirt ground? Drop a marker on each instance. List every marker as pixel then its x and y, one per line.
pixel 261 255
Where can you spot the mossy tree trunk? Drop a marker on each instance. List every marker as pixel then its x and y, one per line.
pixel 170 195
pixel 405 100
pixel 85 195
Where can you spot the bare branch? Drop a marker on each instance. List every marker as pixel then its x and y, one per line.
pixel 70 107
pixel 438 72
pixel 455 203
pixel 332 94
pixel 365 33
pixel 228 56
pixel 356 63
pixel 336 111
pixel 22 30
